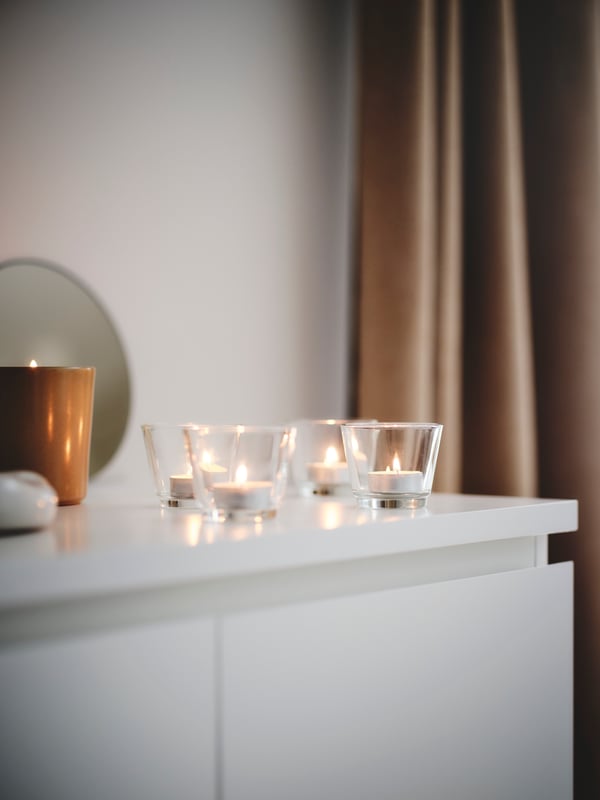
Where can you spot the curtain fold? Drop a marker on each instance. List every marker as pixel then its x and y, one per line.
pixel 427 330
pixel 448 376
pixel 396 300
pixel 560 82
pixel 478 262
pixel 499 395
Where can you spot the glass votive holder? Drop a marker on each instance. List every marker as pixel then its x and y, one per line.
pixel 170 465
pixel 240 471
pixel 391 464
pixel 319 465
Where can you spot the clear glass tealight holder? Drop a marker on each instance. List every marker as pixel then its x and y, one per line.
pixel 240 471
pixel 170 465
pixel 391 464
pixel 319 465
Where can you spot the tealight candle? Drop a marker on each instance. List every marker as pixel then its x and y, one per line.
pixel 242 494
pixel 181 487
pixel 211 473
pixel 395 480
pixel 329 472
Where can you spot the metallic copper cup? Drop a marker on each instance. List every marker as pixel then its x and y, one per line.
pixel 46 424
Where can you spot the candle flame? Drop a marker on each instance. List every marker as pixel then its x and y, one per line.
pixel 396 463
pixel 206 457
pixel 331 456
pixel 241 474
pixel 33 363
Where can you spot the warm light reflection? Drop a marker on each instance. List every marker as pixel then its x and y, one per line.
pixel 331 456
pixel 243 531
pixel 33 363
pixel 331 516
pixel 241 474
pixel 237 533
pixel 68 449
pixel 193 529
pixel 50 423
pixel 71 533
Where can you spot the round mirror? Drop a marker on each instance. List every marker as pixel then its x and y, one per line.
pixel 46 314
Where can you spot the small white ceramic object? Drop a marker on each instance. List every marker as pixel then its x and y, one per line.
pixel 27 501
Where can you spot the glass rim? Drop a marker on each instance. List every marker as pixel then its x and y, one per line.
pixel 230 428
pixel 147 426
pixel 332 421
pixel 44 368
pixel 395 425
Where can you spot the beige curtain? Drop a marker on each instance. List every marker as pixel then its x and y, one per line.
pixel 478 281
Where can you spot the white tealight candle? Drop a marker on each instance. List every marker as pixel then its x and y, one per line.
pixel 402 482
pixel 182 487
pixel 211 473
pixel 242 494
pixel 329 472
pixel 395 480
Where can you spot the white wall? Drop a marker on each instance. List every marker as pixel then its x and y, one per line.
pixel 191 161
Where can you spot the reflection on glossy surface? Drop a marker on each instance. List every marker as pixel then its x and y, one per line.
pixel 48 315
pixel 331 515
pixel 193 529
pixel 232 531
pixel 70 534
pixel 389 515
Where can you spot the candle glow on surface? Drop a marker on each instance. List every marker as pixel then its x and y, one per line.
pixel 193 529
pixel 330 516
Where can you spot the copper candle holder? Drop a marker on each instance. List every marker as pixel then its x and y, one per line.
pixel 46 423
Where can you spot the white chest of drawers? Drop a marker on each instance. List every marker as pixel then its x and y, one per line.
pixel 329 653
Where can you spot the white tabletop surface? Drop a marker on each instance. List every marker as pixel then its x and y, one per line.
pixel 117 542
